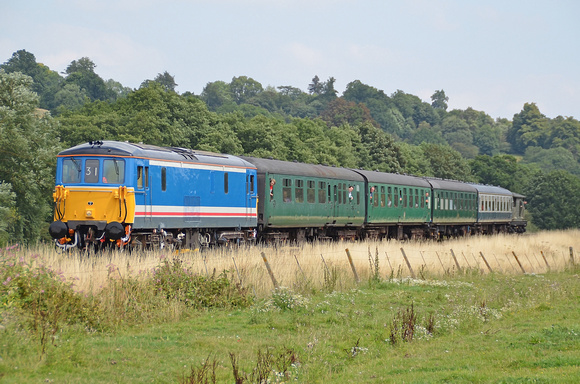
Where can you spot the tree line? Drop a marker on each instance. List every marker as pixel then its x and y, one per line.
pixel 43 112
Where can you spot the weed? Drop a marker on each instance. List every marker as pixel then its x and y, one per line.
pixel 202 375
pixel 403 326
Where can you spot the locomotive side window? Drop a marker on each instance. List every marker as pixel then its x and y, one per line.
pixel 92 171
pixel 140 177
pixel 226 183
pixel 113 171
pixel 163 179
pixel 71 171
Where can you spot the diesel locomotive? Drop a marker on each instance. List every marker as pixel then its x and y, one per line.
pixel 121 194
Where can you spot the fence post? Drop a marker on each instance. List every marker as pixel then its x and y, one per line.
pixel 571 255
pixel 269 270
pixel 486 263
pixel 545 260
pixel 408 264
pixel 300 268
pixel 352 266
pixel 455 259
pixel 518 260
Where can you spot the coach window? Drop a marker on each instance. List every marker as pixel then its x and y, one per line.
pixel 71 171
pixel 382 197
pixel 358 195
pixel 416 198
pixel 164 179
pixel 422 200
pixel 376 196
pixel 311 191
pixel 344 190
pixel 299 191
pixel 287 190
pixel 226 183
pixel 339 193
pixel 321 192
pixel 396 196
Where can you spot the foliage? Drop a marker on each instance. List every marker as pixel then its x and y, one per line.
pixel 27 156
pixel 554 202
pixel 502 170
pixel 41 298
pixel 174 281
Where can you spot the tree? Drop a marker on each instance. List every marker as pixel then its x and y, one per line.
pixel 165 80
pixel 316 87
pixel 46 82
pixel 446 162
pixel 502 170
pixel 28 148
pixel 439 100
pixel 243 88
pixel 82 73
pixel 529 128
pixel 8 215
pixel 216 94
pixel 554 200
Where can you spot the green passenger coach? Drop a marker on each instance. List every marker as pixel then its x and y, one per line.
pixel 398 206
pixel 299 201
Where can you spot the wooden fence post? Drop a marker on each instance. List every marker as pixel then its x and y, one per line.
pixel 518 260
pixel 269 270
pixel 486 263
pixel 545 260
pixel 455 259
pixel 572 256
pixel 300 268
pixel 408 264
pixel 352 266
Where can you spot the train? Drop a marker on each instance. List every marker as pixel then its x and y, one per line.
pixel 121 194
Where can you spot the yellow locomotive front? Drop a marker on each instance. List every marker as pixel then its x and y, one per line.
pixel 93 204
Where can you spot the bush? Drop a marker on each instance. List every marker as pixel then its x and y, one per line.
pixel 176 282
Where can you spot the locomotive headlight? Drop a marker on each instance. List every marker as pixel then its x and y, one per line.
pixel 89 213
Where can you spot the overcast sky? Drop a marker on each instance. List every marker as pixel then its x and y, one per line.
pixel 493 56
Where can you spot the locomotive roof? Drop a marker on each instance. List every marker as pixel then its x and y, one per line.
pixel 492 189
pixel 451 185
pixel 302 169
pixel 126 149
pixel 393 178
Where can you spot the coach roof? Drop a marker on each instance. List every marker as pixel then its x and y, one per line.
pixel 302 169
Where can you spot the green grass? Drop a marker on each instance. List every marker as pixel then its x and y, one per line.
pixel 465 329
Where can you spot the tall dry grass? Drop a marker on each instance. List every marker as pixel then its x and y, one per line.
pixel 325 265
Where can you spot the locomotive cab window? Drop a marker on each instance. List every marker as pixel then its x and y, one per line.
pixel 92 171
pixel 71 171
pixel 113 171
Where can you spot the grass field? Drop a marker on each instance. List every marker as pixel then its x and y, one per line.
pixel 471 323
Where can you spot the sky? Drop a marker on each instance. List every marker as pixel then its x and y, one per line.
pixel 490 55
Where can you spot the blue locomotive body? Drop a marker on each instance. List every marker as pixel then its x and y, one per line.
pixel 162 196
